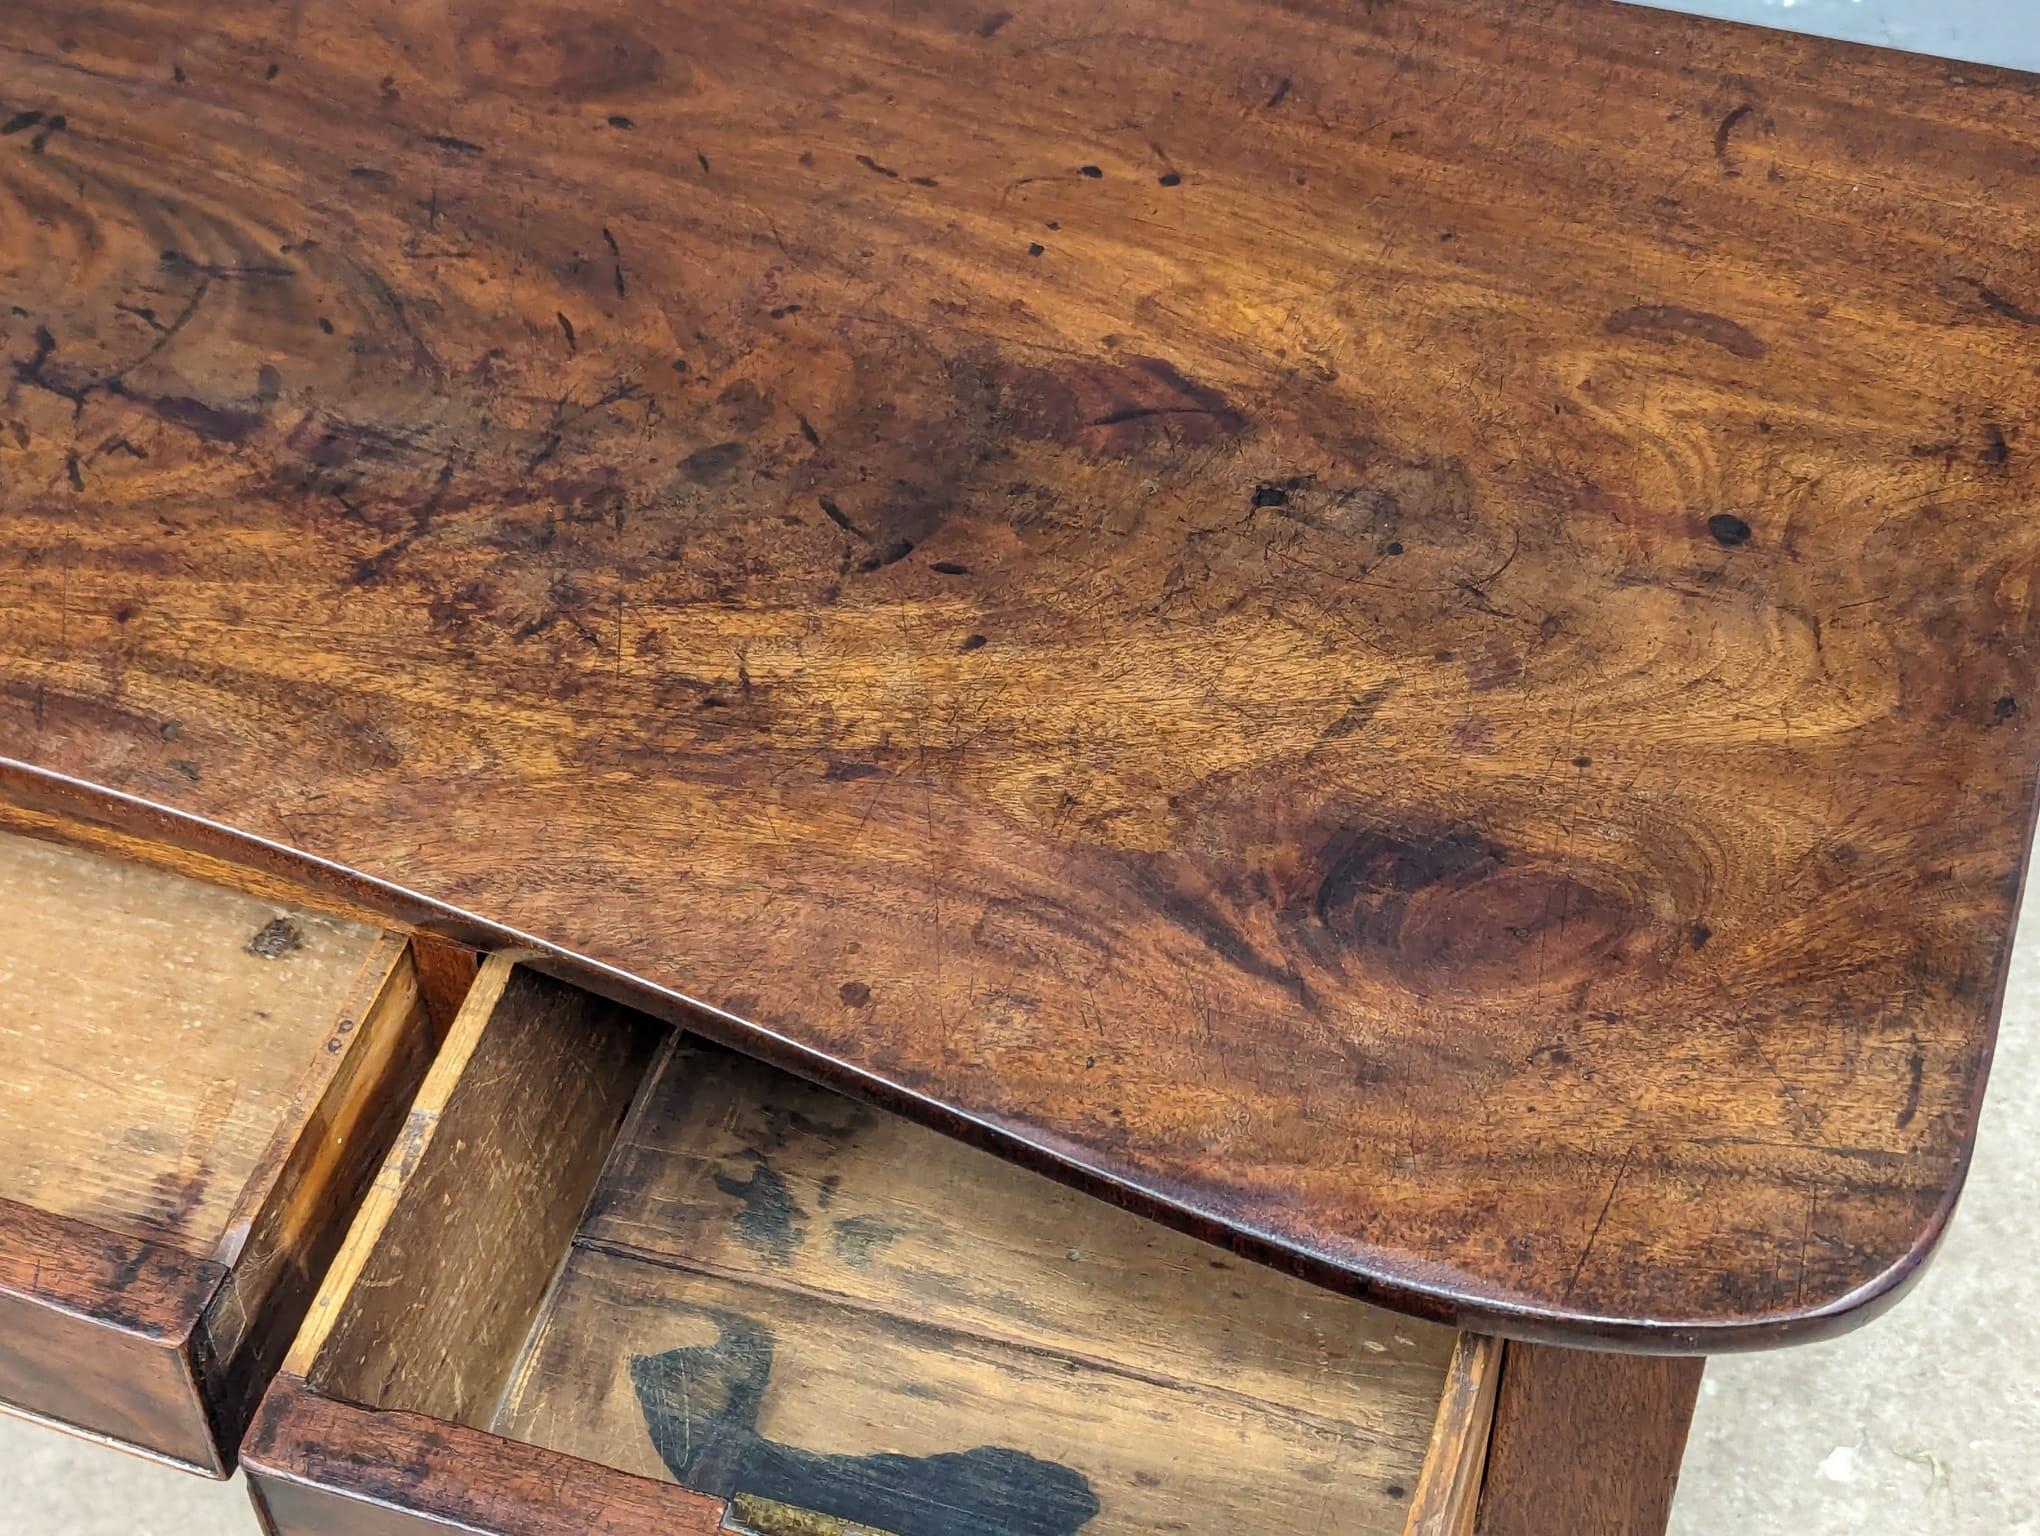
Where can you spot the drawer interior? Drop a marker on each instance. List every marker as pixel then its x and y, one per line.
pixel 610 1240
pixel 156 1035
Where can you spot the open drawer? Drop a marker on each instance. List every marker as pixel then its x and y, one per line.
pixel 615 1279
pixel 196 1087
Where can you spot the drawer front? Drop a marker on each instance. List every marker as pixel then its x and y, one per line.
pixel 646 1266
pixel 93 1327
pixel 318 1467
pixel 196 1086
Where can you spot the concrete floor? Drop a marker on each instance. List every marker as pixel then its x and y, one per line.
pixel 1924 1421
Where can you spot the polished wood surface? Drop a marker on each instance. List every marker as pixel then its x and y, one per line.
pixel 780 1293
pixel 1401 634
pixel 93 1327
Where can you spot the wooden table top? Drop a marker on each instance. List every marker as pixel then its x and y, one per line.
pixel 1402 631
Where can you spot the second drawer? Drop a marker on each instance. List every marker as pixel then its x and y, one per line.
pixel 614 1279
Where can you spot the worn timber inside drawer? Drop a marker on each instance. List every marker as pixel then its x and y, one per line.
pixel 196 1086
pixel 614 1279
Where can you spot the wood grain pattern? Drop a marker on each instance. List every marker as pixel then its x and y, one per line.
pixel 1589 1444
pixel 153 1032
pixel 93 1333
pixel 399 1474
pixel 294 1216
pixel 782 1294
pixel 212 1079
pixel 451 1254
pixel 445 972
pixel 1447 1497
pixel 1402 634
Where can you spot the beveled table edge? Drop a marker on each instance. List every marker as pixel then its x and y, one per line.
pixel 1404 1282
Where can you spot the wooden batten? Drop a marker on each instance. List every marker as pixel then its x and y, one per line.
pixel 467 1221
pixel 421 1121
pixel 276 1255
pixel 1448 1491
pixel 321 1467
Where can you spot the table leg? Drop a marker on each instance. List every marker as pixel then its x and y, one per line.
pixel 1586 1444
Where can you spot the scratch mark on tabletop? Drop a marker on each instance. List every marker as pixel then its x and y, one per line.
pixel 1621 1172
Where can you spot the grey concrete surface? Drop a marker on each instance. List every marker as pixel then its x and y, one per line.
pixel 1982 31
pixel 1926 1421
pixel 52 1485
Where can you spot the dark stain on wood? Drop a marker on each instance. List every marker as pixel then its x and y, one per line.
pixel 1916 1066
pixel 1997 304
pixel 701 1408
pixel 275 939
pixel 1728 529
pixel 1363 709
pixel 1722 131
pixel 1115 410
pixel 859 1238
pixel 1669 322
pixel 771 1217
